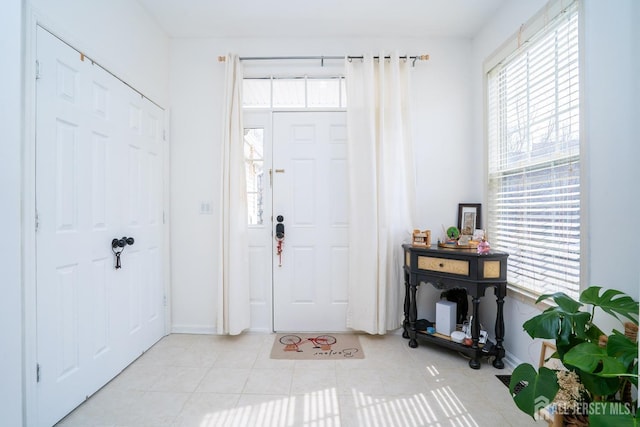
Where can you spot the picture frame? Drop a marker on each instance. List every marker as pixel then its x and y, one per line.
pixel 469 218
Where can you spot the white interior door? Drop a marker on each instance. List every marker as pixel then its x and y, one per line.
pixel 98 177
pixel 310 192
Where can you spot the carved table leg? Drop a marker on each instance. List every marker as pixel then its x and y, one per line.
pixel 413 314
pixel 405 322
pixel 498 363
pixel 475 333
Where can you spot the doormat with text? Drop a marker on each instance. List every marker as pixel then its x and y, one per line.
pixel 298 346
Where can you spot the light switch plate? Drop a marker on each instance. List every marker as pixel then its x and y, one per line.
pixel 206 208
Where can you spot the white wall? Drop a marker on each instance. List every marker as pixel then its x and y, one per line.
pixel 610 115
pixel 118 34
pixel 442 131
pixel 611 126
pixel 11 72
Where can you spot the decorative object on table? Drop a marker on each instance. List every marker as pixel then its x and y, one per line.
pixel 483 246
pixel 455 240
pixel 457 336
pixel 469 218
pixel 446 317
pixel 605 366
pixel 421 238
pixel 464 239
pixel 423 324
pixel 455 244
pixel 452 234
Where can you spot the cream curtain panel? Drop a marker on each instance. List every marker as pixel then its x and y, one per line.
pixel 233 304
pixel 382 190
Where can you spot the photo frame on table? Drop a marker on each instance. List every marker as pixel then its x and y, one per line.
pixel 469 218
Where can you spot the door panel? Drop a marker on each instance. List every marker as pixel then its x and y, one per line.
pixel 309 190
pixel 91 320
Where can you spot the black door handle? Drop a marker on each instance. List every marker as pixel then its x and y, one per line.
pixel 280 227
pixel 121 243
pixel 117 246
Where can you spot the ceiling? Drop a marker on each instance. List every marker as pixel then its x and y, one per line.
pixel 326 18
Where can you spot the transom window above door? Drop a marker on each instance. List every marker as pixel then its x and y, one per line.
pixel 294 92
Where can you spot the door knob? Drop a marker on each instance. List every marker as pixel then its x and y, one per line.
pixel 117 246
pixel 121 243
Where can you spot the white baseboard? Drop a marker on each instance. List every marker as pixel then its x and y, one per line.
pixel 259 331
pixel 210 330
pixel 511 361
pixel 193 329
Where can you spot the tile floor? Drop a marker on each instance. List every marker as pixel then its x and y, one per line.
pixel 207 381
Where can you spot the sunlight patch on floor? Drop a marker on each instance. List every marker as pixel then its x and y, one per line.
pixel 318 409
pixel 394 412
pixel 322 409
pixel 454 410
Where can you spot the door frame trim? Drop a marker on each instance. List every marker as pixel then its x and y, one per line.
pixel 29 332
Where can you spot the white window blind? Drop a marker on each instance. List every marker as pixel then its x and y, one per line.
pixel 534 158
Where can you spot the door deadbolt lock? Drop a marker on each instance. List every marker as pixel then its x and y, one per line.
pixel 280 227
pixel 280 238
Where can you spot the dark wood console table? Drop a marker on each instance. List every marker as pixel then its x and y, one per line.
pixel 448 268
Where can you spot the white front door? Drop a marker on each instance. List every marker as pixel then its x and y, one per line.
pixel 98 177
pixel 310 193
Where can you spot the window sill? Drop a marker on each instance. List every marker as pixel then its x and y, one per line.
pixel 528 297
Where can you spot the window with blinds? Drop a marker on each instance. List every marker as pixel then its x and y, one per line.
pixel 534 158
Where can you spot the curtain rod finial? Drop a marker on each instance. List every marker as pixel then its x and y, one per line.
pixel 424 57
pixel 222 58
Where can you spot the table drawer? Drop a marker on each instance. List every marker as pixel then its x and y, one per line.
pixel 444 265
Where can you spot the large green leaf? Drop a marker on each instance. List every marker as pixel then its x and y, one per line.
pixel 594 333
pixel 611 414
pixel 556 323
pixel 540 388
pixel 544 325
pixel 613 302
pixel 599 386
pixel 585 356
pixel 579 323
pixel 622 348
pixel 563 348
pixel 593 359
pixel 564 301
pixel 634 375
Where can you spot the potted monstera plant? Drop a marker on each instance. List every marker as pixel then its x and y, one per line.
pixel 598 373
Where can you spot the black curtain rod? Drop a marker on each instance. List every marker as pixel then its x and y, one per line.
pixel 321 58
